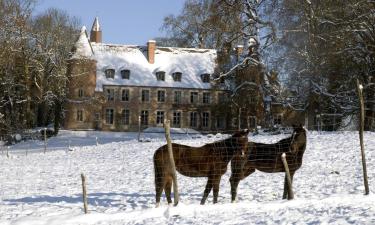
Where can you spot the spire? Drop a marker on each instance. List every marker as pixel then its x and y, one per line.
pixel 96 32
pixel 95 25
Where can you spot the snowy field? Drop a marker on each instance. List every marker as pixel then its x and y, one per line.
pixel 38 188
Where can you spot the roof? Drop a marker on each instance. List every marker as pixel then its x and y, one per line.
pixel 189 61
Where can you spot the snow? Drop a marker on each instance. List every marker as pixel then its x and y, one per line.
pixel 190 62
pixel 82 46
pixel 38 188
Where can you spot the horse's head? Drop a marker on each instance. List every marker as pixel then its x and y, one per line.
pixel 240 138
pixel 298 138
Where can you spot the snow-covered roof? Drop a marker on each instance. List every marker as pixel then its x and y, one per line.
pixel 189 61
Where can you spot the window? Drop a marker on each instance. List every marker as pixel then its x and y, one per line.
pixel 176 119
pixel 193 119
pixel 80 92
pixel 222 97
pixel 109 73
pixel 110 94
pixel 206 97
pixel 205 119
pixel 145 95
pixel 161 96
pixel 125 74
pixel 177 76
pixel 177 97
pixel 220 122
pixel 205 78
pixel 80 115
pixel 277 119
pixel 144 117
pixel 125 95
pixel 160 75
pixel 193 97
pixel 97 117
pixel 159 117
pixel 109 116
pixel 125 115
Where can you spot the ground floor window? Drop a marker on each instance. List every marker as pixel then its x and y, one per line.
pixel 277 119
pixel 205 119
pixel 109 116
pixel 159 117
pixel 125 117
pixel 97 116
pixel 220 122
pixel 176 119
pixel 193 119
pixel 144 117
pixel 80 115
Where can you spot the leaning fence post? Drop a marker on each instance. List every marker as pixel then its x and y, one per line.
pixel 45 140
pixel 361 128
pixel 289 179
pixel 171 159
pixel 84 195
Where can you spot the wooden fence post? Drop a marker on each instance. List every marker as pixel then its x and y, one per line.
pixel 171 159
pixel 289 179
pixel 45 140
pixel 139 128
pixel 84 196
pixel 361 128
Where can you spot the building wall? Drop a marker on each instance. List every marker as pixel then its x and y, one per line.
pixel 93 105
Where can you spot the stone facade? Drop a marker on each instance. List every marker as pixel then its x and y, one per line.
pixel 121 106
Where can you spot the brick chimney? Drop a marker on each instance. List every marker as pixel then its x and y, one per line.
pixel 151 47
pixel 96 32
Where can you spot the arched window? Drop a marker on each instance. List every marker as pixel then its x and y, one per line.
pixel 109 73
pixel 125 74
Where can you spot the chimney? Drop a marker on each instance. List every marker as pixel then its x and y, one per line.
pixel 239 51
pixel 151 46
pixel 96 32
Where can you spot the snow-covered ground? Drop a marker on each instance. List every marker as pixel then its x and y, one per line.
pixel 38 188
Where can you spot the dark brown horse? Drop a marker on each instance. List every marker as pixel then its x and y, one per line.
pixel 267 158
pixel 210 160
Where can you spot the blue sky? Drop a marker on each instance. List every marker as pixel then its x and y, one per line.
pixel 122 21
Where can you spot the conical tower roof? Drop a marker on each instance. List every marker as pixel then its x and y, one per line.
pixel 95 25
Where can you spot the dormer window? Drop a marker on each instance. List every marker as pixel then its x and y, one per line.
pixel 125 74
pixel 205 78
pixel 160 75
pixel 177 76
pixel 109 73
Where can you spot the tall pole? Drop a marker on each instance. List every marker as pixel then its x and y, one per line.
pixel 139 128
pixel 361 129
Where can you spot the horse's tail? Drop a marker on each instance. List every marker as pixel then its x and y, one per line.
pixel 158 167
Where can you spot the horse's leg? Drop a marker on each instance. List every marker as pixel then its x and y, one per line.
pixel 216 185
pixel 168 190
pixel 159 186
pixel 235 180
pixel 207 190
